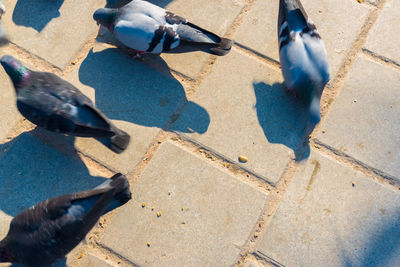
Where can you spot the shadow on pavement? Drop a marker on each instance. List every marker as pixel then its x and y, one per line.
pixel 60 263
pixel 32 171
pixel 141 92
pixel 383 247
pixel 283 118
pixel 36 13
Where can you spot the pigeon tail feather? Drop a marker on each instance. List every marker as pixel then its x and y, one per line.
pixel 223 47
pixel 120 141
pixel 122 193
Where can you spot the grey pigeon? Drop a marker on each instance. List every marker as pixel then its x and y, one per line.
pixel 56 105
pixel 303 57
pixel 147 28
pixel 47 231
pixel 3 37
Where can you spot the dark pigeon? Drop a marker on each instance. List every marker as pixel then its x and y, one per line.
pixel 147 28
pixel 3 36
pixel 54 104
pixel 303 57
pixel 46 232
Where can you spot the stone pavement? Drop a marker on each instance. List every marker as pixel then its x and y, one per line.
pixel 328 199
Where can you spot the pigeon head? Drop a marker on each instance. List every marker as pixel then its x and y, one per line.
pixel 17 72
pixel 106 17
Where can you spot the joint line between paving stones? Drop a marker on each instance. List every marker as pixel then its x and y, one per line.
pixel 271 207
pixel 334 86
pixel 355 164
pixel 237 22
pixel 26 56
pixel 106 250
pixel 381 59
pixel 223 158
pixel 251 52
pixel 263 257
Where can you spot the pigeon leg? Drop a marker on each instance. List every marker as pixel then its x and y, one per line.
pixel 136 54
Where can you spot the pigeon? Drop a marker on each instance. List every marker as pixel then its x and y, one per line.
pixel 303 57
pixel 147 28
pixel 56 105
pixel 47 231
pixel 3 37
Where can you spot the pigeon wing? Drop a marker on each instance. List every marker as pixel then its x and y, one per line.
pixel 50 229
pixel 56 105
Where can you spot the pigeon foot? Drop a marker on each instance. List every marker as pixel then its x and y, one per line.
pixel 136 54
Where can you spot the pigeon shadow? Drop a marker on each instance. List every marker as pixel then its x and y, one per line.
pixel 383 247
pixel 140 92
pixel 283 118
pixel 32 171
pixel 60 263
pixel 36 14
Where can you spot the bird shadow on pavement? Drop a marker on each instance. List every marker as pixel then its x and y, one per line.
pixel 60 263
pixel 382 248
pixel 32 171
pixel 140 92
pixel 36 14
pixel 283 118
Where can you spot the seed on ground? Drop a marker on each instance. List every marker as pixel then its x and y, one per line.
pixel 243 159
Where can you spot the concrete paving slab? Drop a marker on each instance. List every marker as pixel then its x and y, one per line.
pixel 371 97
pixel 325 219
pixel 8 109
pixel 94 260
pixel 52 30
pixel 382 30
pixel 251 115
pixel 207 215
pixel 338 22
pixel 138 97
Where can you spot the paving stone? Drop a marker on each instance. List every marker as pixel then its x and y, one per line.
pixel 372 133
pixel 8 110
pixel 138 97
pixel 55 30
pixel 382 31
pixel 324 219
pixel 93 260
pixel 338 22
pixel 253 263
pixel 251 115
pixel 219 213
pixel 222 13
